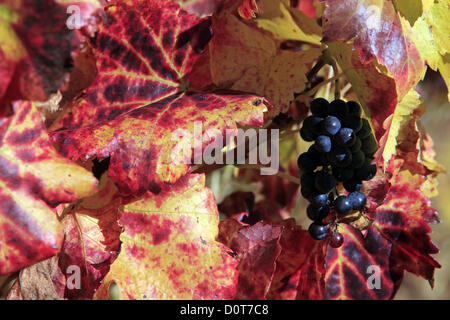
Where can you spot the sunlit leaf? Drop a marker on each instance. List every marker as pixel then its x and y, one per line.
pixel 32 175
pixel 169 249
pixel 378 32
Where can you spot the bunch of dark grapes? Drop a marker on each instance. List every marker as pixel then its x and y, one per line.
pixel 342 152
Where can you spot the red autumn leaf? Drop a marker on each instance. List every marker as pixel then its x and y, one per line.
pixel 238 205
pixel 257 248
pixel 31 172
pixel 360 268
pixel 378 32
pixel 36 46
pixel 300 268
pixel 169 248
pixel 91 243
pixel 404 219
pixel 138 59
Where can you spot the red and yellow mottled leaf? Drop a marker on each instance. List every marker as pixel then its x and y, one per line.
pixel 375 91
pixel 139 59
pixel 31 172
pixel 133 108
pixel 359 269
pixel 36 46
pixel 404 112
pixel 403 219
pixel 378 32
pixel 169 249
pixel 257 248
pixel 91 243
pixel 155 144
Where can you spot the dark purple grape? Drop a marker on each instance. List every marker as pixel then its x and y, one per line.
pixel 365 131
pixel 358 159
pixel 357 199
pixel 307 193
pixel 340 157
pixel 323 144
pixel 314 154
pixel 342 174
pixel 369 145
pixel 324 159
pixel 306 163
pixel 354 108
pixel 367 171
pixel 352 122
pixel 308 180
pixel 330 125
pixel 317 213
pixel 320 200
pixel 312 124
pixel 345 137
pixel 338 108
pixel 319 107
pixel 307 135
pixel 324 182
pixel 343 205
pixel 353 185
pixel 356 146
pixel 318 231
pixel 336 240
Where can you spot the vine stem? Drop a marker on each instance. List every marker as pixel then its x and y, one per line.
pixel 337 89
pixel 313 90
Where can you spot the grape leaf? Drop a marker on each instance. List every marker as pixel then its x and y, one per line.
pixel 300 268
pixel 266 73
pixel 31 172
pixel 132 111
pixel 375 91
pixel 404 112
pixel 169 249
pixel 410 9
pixel 403 219
pixel 430 40
pixel 287 23
pixel 145 145
pixel 378 32
pixel 256 247
pixel 349 268
pixel 91 243
pixel 36 47
pixel 139 60
pixel 41 281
